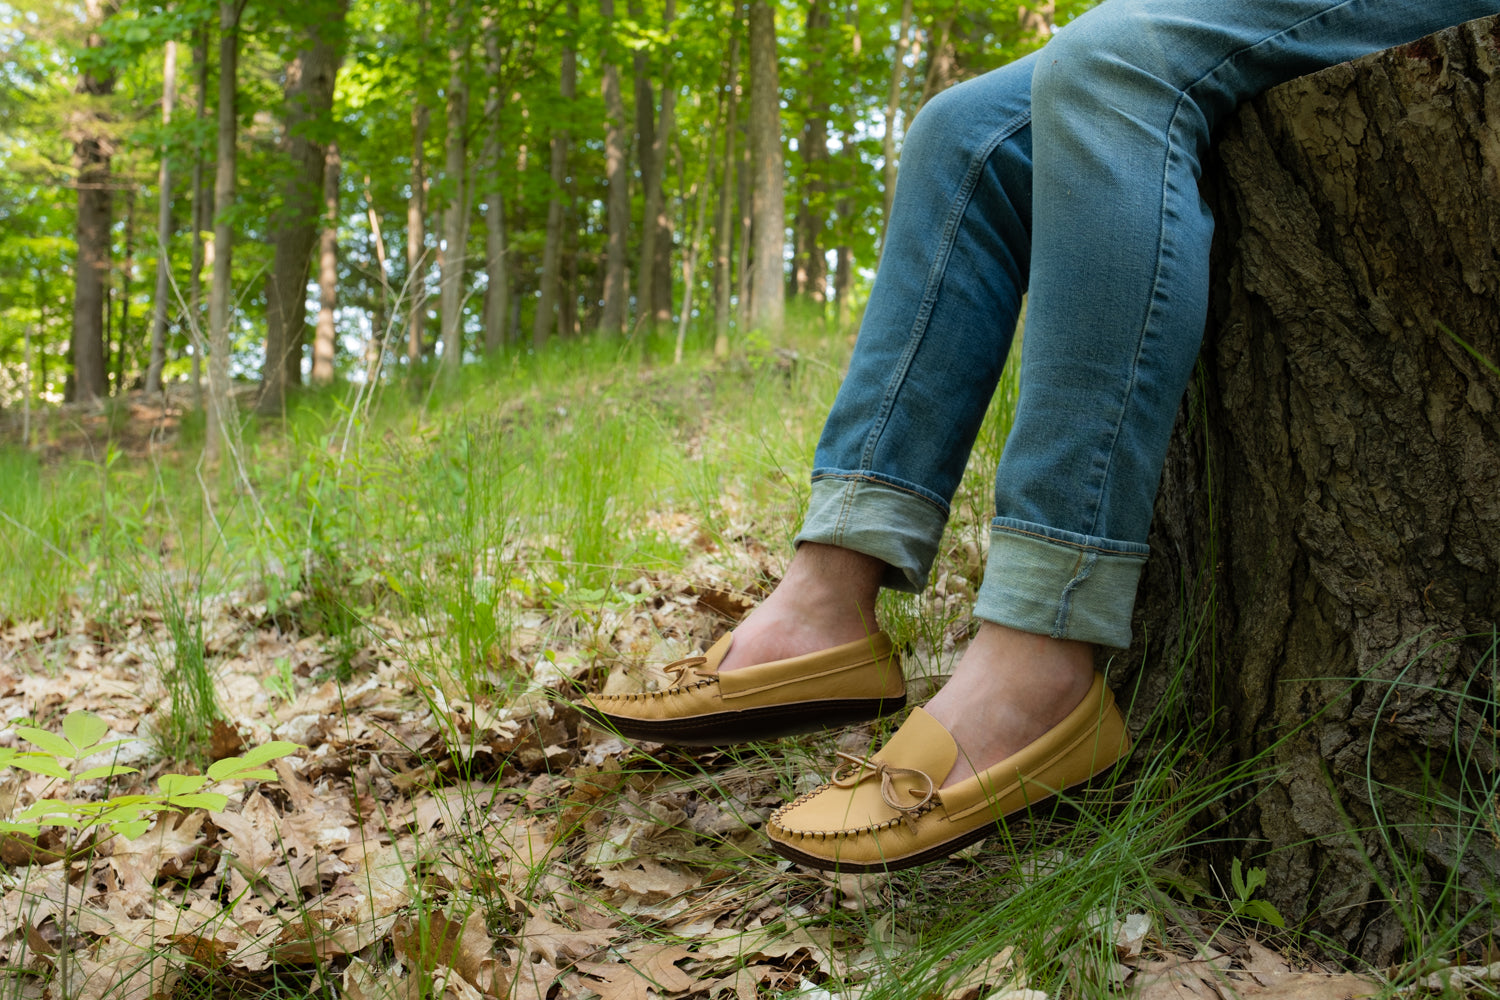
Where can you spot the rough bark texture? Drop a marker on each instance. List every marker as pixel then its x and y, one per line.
pixel 219 293
pixel 612 312
pixel 325 340
pixel 727 200
pixel 415 290
pixel 810 270
pixel 767 199
pixel 545 320
pixel 92 148
pixel 456 213
pixel 1335 485
pixel 296 222
pixel 162 298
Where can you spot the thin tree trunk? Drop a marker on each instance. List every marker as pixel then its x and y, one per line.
pixel 745 176
pixel 92 148
pixel 375 347
pixel 456 215
pixel 126 273
pixel 811 269
pixel 768 203
pixel 201 214
pixel 497 274
pixel 892 116
pixel 690 259
pixel 942 63
pixel 219 302
pixel 416 215
pixel 655 281
pixel 723 272
pixel 163 229
pixel 324 342
pixel 294 228
pixel 545 321
pixel 616 292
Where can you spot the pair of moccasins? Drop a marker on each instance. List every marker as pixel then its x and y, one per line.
pixel 879 813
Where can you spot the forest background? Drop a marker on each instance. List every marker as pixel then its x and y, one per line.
pixel 306 191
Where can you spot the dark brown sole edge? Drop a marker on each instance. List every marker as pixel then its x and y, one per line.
pixel 1047 808
pixel 748 726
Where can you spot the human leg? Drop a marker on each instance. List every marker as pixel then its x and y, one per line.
pixel 1125 100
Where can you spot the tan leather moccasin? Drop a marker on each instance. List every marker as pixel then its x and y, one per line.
pixel 851 683
pixel 887 812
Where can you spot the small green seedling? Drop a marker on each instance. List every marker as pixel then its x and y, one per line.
pixel 128 815
pixel 1245 884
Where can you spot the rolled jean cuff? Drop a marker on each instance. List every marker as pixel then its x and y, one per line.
pixel 1056 583
pixel 878 516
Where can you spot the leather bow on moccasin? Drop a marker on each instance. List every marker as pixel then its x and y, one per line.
pixel 855 682
pixel 888 812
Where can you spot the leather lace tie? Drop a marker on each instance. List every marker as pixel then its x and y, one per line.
pixel 680 669
pixel 867 768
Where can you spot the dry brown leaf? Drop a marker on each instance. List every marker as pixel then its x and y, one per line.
pixel 1175 979
pixel 1263 964
pixel 126 973
pixel 532 980
pixel 555 941
pixel 650 880
pixel 438 941
pixel 744 982
pixel 1130 935
pixel 1315 986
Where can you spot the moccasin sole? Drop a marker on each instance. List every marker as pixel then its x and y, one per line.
pixel 748 725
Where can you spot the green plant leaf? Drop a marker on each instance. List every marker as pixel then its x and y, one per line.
pixel 1259 909
pixel 48 742
pixel 212 801
pixel 131 829
pixel 84 729
pixel 107 771
pixel 28 829
pixel 41 763
pixel 180 784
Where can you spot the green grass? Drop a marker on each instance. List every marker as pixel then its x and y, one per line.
pixel 541 488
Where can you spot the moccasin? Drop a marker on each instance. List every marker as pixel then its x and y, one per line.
pixel 888 812
pixel 852 683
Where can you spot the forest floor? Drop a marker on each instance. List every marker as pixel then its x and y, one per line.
pixel 446 826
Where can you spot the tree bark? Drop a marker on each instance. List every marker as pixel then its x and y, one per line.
pixel 127 271
pixel 546 319
pixel 324 339
pixel 654 305
pixel 226 164
pixel 810 277
pixel 201 214
pixel 768 203
pixel 416 215
pixel 92 148
pixel 892 116
pixel 162 299
pixel 612 314
pixel 1333 492
pixel 456 215
pixel 295 224
pixel 728 198
pixel 497 274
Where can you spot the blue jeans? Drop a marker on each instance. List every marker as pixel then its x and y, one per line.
pixel 1073 172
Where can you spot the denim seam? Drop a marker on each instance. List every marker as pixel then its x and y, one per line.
pixel 1081 571
pixel 935 279
pixel 857 477
pixel 1072 545
pixel 1155 298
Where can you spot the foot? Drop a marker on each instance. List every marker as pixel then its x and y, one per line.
pixel 826 599
pixel 1009 689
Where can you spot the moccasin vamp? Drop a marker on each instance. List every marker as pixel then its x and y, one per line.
pixel 879 819
pixel 854 682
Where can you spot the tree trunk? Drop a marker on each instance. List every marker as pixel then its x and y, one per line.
pixel 545 321
pixel 416 215
pixel 811 268
pixel 497 274
pixel 324 342
pixel 295 224
pixel 612 314
pixel 92 148
pixel 892 115
pixel 456 215
pixel 768 281
pixel 201 214
pixel 652 136
pixel 162 299
pixel 224 180
pixel 1333 491
pixel 127 270
pixel 728 197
